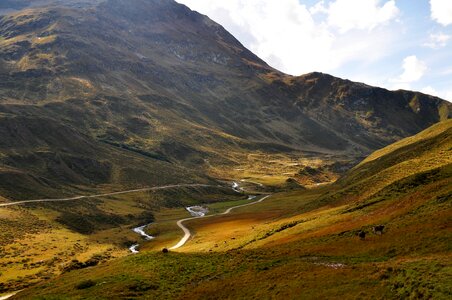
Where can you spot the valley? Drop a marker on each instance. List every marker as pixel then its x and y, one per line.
pixel 308 235
pixel 188 234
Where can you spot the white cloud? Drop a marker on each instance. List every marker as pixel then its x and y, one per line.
pixel 444 94
pixel 447 95
pixel 413 70
pixel 441 11
pixel 429 91
pixel 285 34
pixel 319 7
pixel 445 72
pixel 437 40
pixel 346 15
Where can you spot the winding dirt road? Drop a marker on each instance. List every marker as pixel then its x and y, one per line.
pixel 106 195
pixel 187 233
pixel 7 296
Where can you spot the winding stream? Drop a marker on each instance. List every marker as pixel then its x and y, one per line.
pixel 236 187
pixel 197 211
pixel 140 231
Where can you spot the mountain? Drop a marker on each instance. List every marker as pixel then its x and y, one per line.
pixel 306 242
pixel 43 158
pixel 158 79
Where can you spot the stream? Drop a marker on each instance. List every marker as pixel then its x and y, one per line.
pixel 197 211
pixel 140 231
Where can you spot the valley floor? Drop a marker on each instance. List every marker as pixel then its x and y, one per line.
pixel 43 238
pixel 286 247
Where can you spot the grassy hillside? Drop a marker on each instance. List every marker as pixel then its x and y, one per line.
pixel 40 240
pixel 432 134
pixel 305 242
pixel 42 158
pixel 421 154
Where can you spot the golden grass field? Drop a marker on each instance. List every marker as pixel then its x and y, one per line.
pixel 35 245
pixel 260 252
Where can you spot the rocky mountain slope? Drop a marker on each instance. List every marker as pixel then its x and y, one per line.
pixel 156 78
pixel 43 158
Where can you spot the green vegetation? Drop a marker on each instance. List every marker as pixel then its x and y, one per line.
pixel 220 207
pixel 85 284
pixel 38 241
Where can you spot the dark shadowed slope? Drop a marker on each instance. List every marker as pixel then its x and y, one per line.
pixel 42 158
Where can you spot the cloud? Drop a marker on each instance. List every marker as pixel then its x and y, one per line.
pixel 319 7
pixel 346 15
pixel 441 11
pixel 413 70
pixel 437 40
pixel 282 32
pixel 447 95
pixel 298 39
pixel 445 72
pixel 429 91
pixel 444 94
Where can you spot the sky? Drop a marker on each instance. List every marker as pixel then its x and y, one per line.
pixel 395 44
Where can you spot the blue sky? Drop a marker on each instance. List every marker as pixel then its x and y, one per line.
pixel 396 44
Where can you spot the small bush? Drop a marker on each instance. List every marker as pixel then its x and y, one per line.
pixel 85 284
pixel 141 286
pixel 76 265
pixel 73 265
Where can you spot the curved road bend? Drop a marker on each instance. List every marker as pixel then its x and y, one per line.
pixel 187 233
pixel 7 296
pixel 106 195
